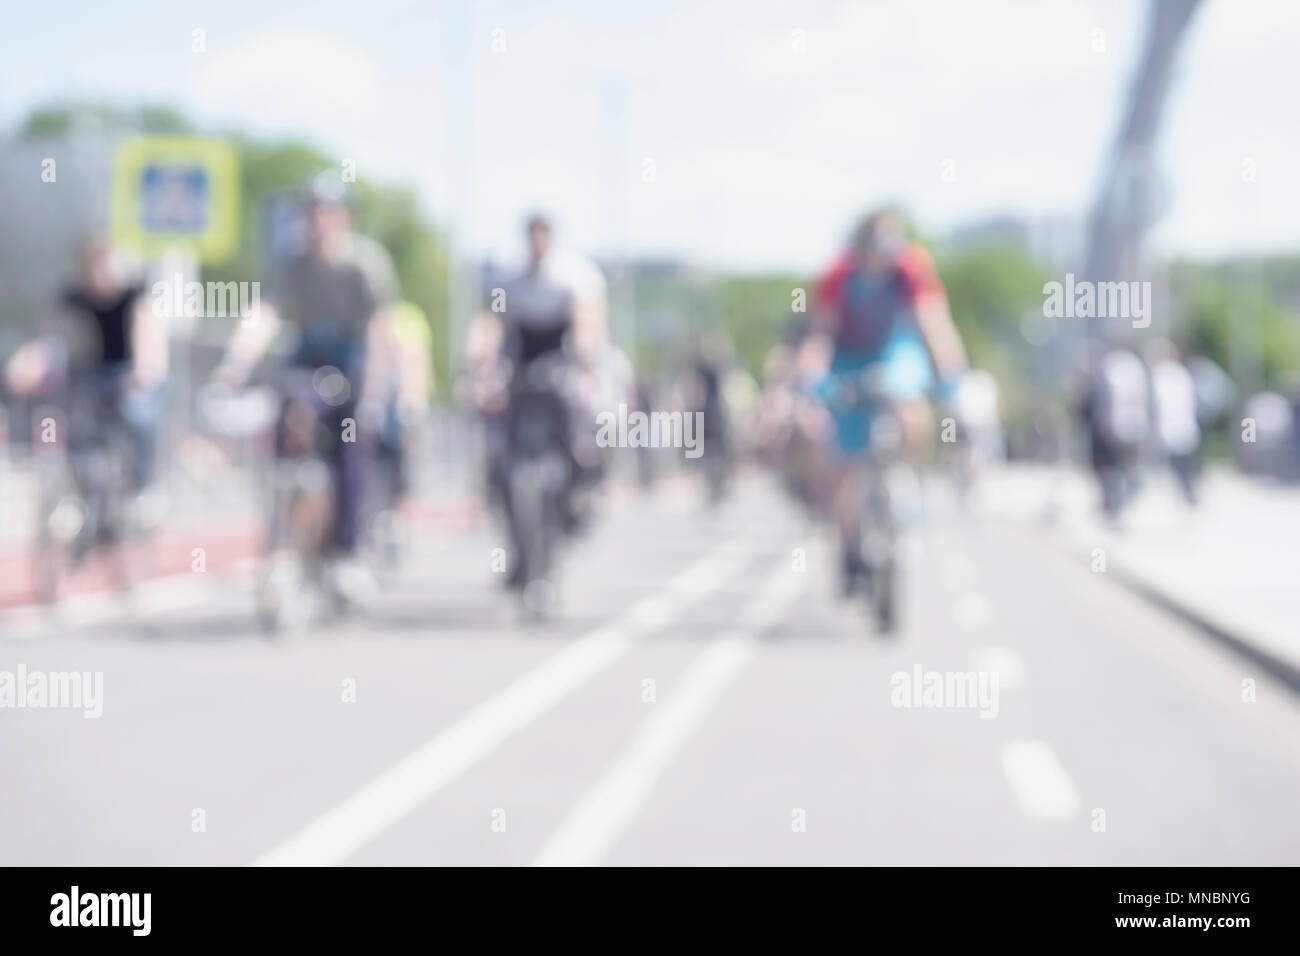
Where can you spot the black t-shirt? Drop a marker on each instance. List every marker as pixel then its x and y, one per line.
pixel 110 321
pixel 538 316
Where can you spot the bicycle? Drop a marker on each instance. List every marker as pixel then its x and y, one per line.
pixel 300 507
pixel 538 478
pixel 863 394
pixel 85 494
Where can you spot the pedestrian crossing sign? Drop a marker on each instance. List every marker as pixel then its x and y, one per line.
pixel 174 192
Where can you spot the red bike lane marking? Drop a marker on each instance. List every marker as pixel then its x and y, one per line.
pixel 225 542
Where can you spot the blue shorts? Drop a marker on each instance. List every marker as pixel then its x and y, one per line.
pixel 908 375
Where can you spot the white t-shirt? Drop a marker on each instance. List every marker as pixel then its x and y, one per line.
pixel 976 400
pixel 1123 381
pixel 577 273
pixel 1175 402
pixel 542 297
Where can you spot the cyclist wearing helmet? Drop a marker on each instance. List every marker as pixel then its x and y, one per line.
pixel 332 296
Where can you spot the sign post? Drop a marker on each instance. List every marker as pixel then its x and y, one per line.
pixel 176 201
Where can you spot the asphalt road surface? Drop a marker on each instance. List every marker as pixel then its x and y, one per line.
pixel 701 698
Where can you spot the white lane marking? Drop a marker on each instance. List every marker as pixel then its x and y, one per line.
pixel 1004 662
pixel 973 610
pixel 343 830
pixel 1041 785
pixel 609 807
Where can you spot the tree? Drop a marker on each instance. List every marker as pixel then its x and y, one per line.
pixel 1243 315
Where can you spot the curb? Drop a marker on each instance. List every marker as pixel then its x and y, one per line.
pixel 1279 667
pixel 1238 640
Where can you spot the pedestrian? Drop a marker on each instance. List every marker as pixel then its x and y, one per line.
pixel 1173 399
pixel 1116 412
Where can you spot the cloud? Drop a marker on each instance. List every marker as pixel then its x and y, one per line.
pixel 330 92
pixel 304 78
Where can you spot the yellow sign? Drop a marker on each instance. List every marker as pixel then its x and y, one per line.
pixel 175 191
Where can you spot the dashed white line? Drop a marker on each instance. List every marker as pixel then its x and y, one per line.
pixel 1004 662
pixel 1040 783
pixel 973 610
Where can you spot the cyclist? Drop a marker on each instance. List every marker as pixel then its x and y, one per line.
pixel 881 305
pixel 711 370
pixel 104 335
pixel 552 312
pixel 332 297
pixel 410 388
pixel 554 304
pixel 482 386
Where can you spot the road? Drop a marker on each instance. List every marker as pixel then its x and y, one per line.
pixel 702 698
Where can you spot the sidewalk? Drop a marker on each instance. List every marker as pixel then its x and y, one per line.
pixel 1230 565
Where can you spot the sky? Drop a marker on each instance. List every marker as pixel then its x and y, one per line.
pixel 735 134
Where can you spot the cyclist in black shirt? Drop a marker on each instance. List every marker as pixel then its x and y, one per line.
pixel 104 331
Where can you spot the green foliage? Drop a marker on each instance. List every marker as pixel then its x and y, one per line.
pixel 60 120
pixel 1243 315
pixel 755 311
pixel 1207 323
pixel 421 258
pixel 1279 347
pixel 990 288
pixel 264 170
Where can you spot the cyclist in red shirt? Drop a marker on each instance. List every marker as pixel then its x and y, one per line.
pixel 882 305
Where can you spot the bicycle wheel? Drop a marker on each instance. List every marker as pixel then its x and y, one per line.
pixel 879 551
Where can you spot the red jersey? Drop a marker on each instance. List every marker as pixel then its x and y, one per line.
pixel 862 311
